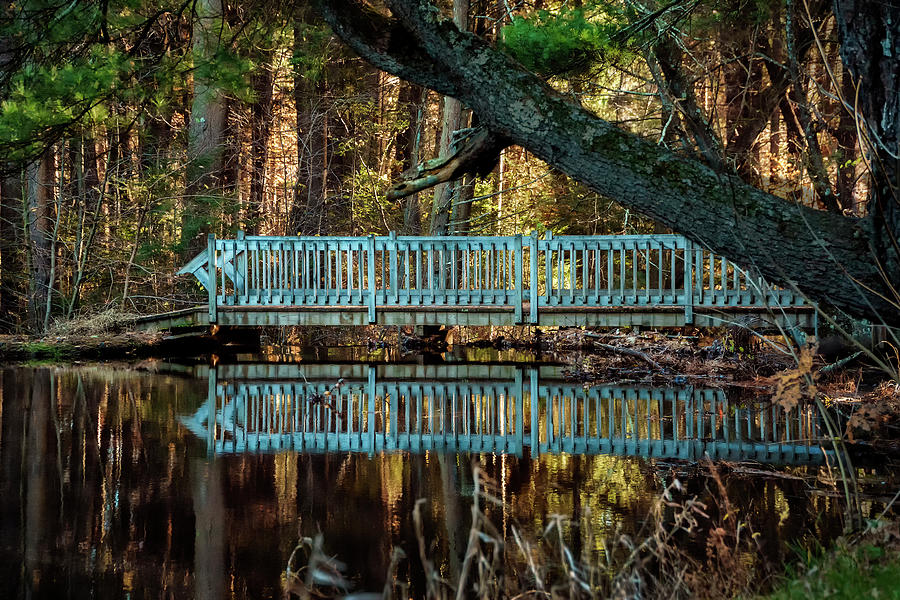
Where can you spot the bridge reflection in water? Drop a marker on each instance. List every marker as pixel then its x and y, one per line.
pixel 488 408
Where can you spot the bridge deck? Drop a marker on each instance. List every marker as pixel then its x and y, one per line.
pixel 653 280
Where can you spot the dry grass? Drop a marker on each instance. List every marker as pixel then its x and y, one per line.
pixel 655 563
pixel 102 323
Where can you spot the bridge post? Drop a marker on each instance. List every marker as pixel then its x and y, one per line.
pixel 371 278
pixel 211 253
pixel 520 277
pixel 394 250
pixel 533 278
pixel 688 281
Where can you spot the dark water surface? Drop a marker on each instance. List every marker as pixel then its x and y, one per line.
pixel 114 485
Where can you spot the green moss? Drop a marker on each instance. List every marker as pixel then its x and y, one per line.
pixel 847 572
pixel 47 351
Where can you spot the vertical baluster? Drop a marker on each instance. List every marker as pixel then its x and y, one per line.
pixel 339 271
pixel 466 274
pixel 609 272
pixel 270 272
pixel 253 267
pixel 263 269
pixel 421 270
pixel 672 254
pixel 454 276
pixel 724 278
pixel 295 270
pixel 735 283
pixel 479 272
pixel 488 273
pixel 328 283
pixel 351 249
pixel 283 272
pixel 587 272
pixel 430 275
pixel 635 255
pixel 407 273
pixel 660 273
pixel 560 270
pixel 548 267
pixel 442 272
pixel 573 270
pixel 316 271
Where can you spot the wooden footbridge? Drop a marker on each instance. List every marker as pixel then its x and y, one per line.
pixel 627 280
pixel 500 409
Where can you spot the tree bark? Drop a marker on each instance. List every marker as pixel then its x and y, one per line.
pixel 443 193
pixel 206 132
pixel 260 127
pixel 12 257
pixel 870 49
pixel 39 224
pixel 308 210
pixel 825 255
pixel 411 100
pixel 815 163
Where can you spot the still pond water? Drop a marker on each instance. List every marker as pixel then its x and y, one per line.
pixel 118 483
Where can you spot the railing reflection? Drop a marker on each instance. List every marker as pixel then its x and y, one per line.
pixel 508 413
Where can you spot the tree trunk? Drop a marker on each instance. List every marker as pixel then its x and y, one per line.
pixel 847 149
pixel 206 133
pixel 40 225
pixel 411 100
pixel 308 210
pixel 12 256
pixel 870 49
pixel 815 163
pixel 260 127
pixel 443 193
pixel 824 254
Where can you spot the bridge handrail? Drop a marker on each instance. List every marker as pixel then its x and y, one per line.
pixel 524 273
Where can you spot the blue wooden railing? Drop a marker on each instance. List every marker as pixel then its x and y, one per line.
pixel 521 273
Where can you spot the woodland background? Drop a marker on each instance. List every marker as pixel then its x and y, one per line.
pixel 129 129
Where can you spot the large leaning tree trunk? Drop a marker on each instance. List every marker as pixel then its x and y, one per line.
pixel 828 256
pixel 870 50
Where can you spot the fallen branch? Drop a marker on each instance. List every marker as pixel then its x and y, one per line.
pixel 630 352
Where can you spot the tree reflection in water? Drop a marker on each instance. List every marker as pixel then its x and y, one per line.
pixel 106 494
